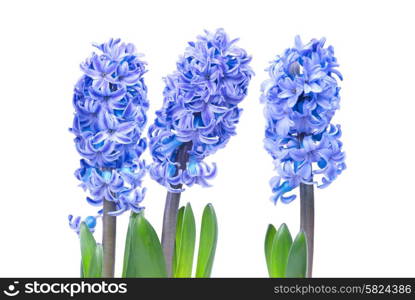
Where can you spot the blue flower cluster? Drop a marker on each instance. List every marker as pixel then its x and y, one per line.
pixel 110 103
pixel 300 99
pixel 200 108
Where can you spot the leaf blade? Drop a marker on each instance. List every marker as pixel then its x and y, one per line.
pixel 179 224
pixel 96 263
pixel 279 253
pixel 127 248
pixel 207 243
pixel 269 240
pixel 187 244
pixel 146 259
pixel 88 248
pixel 297 258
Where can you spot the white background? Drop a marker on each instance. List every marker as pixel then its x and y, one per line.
pixel 364 220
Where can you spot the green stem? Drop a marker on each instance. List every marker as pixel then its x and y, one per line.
pixel 109 226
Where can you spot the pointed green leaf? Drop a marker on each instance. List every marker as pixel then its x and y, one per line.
pixel 297 258
pixel 207 243
pixel 269 240
pixel 127 248
pixel 279 253
pixel 178 237
pixel 145 258
pixel 186 245
pixel 88 248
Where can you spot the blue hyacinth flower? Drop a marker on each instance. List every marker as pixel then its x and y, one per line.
pixel 300 98
pixel 110 102
pixel 200 108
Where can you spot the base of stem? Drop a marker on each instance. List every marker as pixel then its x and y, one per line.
pixel 307 221
pixel 109 227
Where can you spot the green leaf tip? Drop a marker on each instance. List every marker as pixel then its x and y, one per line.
pixel 207 242
pixel 185 243
pixel 91 254
pixel 143 256
pixel 280 249
pixel 269 240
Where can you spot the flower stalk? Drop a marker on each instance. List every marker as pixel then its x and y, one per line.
pixel 307 221
pixel 109 228
pixel 307 217
pixel 170 210
pixel 169 228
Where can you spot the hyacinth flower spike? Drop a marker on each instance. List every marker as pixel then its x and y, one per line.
pixel 300 99
pixel 110 102
pixel 198 117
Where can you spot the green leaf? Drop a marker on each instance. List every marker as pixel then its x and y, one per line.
pixel 279 253
pixel 207 243
pixel 297 258
pixel 178 238
pixel 96 263
pixel 145 257
pixel 88 248
pixel 269 240
pixel 82 270
pixel 127 248
pixel 186 244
